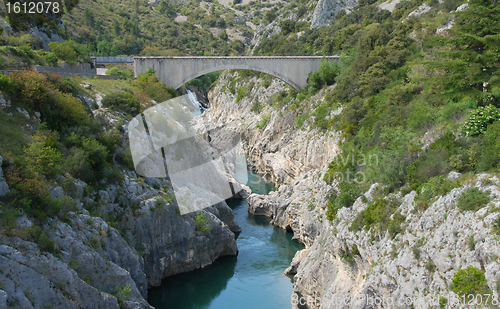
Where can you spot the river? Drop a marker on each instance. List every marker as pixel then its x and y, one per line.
pixel 253 279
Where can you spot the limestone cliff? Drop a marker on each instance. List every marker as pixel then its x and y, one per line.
pixel 341 264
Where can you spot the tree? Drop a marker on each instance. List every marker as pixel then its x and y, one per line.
pixel 472 60
pixel 116 28
pixel 64 52
pixel 88 17
pixel 223 35
pixel 470 281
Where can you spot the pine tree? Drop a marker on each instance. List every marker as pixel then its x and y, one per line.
pixel 472 65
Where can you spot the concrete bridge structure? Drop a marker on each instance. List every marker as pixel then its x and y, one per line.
pixel 176 71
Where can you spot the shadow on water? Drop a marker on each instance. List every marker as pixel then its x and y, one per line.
pixel 283 240
pixel 195 289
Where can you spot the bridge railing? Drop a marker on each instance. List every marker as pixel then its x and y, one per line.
pixel 112 60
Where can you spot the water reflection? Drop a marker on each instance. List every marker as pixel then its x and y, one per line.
pixel 195 289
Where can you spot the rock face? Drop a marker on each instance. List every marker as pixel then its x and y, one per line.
pixel 171 244
pixel 354 266
pixel 33 280
pixel 325 9
pixel 95 263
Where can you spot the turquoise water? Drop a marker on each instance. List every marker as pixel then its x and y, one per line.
pixel 253 279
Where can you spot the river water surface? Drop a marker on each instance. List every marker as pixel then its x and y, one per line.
pixel 253 279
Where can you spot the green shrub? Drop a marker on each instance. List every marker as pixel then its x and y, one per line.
pixel 69 111
pixel 202 223
pixel 156 90
pixel 79 166
pixel 347 194
pixel 325 76
pixel 345 256
pixel 244 91
pixel 431 164
pixel 117 71
pixel 32 89
pixel 470 281
pixel 496 226
pixel 299 121
pixel 396 225
pixel 262 123
pixel 113 71
pixel 471 243
pixel 37 235
pixel 436 186
pixel 164 200
pixel 256 107
pixel 473 199
pixel 123 101
pixel 480 119
pixel 378 215
pixel 124 158
pixel 64 52
pixel 430 266
pixel 42 159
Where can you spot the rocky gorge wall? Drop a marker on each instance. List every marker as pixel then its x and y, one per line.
pixel 340 268
pixel 112 246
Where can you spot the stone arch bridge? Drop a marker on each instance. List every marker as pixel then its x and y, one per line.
pixel 176 71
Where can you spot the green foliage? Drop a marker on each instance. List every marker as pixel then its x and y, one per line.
pixel 68 111
pixel 69 51
pixel 202 223
pixel 256 107
pixel 124 158
pixel 470 281
pixel 204 82
pixel 471 55
pixel 262 123
pixel 37 235
pixel 345 256
pixel 122 294
pixel 42 159
pixel 430 164
pixel 164 200
pixel 117 71
pixel 496 226
pixel 87 158
pixel 123 101
pixel 78 165
pixel 156 90
pixel 436 186
pixel 325 76
pixel 471 243
pixel 244 91
pixel 430 266
pixel 473 199
pixel 299 121
pixel 378 215
pixel 480 119
pixel 321 113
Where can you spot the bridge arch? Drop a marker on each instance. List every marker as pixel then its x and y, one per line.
pixel 176 71
pixel 236 67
